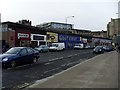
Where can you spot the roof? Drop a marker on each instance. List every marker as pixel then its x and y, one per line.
pixel 19 25
pixel 83 30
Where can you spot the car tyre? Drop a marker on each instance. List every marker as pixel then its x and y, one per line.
pixel 13 64
pixel 41 51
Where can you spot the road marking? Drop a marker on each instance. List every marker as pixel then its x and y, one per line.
pixel 56 59
pixel 48 63
pixel 46 79
pixel 51 70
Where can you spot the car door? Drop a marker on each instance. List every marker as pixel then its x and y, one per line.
pixel 30 55
pixel 22 56
pixel 45 48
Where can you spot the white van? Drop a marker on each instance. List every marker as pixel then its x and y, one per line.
pixel 57 46
pixel 79 46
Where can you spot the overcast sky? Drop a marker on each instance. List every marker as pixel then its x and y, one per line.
pixel 88 14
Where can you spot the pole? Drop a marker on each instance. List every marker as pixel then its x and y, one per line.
pixel 68 17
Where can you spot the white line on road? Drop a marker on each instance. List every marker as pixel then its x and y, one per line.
pixel 56 59
pixel 46 79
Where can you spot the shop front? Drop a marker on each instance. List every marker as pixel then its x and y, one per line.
pixel 22 39
pixel 69 40
pixel 37 40
pixel 101 41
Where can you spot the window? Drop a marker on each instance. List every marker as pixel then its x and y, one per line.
pixel 23 52
pixel 30 51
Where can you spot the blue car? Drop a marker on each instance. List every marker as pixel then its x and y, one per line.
pixel 19 56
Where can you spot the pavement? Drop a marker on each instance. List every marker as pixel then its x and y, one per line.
pixel 100 71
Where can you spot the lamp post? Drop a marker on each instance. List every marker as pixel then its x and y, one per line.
pixel 68 17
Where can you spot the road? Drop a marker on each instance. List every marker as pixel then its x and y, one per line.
pixel 49 64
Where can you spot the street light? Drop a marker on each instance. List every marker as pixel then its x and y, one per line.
pixel 68 17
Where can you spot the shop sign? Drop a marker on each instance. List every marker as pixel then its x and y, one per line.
pixel 69 38
pixel 52 37
pixel 84 40
pixel 38 37
pixel 23 35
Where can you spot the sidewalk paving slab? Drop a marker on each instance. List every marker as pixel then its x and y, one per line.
pixel 100 71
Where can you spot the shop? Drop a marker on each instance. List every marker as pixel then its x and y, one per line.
pixel 38 39
pixel 101 41
pixel 22 39
pixel 69 40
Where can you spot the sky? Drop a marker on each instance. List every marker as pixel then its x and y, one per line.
pixel 88 14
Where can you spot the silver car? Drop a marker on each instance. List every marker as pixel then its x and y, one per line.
pixel 43 48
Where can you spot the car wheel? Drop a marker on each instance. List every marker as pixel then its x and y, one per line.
pixel 41 51
pixel 34 60
pixel 13 64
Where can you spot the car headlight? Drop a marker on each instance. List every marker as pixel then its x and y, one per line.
pixel 5 59
pixel 100 50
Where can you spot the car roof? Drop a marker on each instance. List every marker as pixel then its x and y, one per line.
pixel 99 46
pixel 19 47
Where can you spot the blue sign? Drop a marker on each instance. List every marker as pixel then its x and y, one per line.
pixel 69 40
pixel 63 37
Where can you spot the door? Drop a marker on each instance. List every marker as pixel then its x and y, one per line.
pixel 22 59
pixel 30 55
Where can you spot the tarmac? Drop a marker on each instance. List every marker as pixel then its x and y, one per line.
pixel 100 71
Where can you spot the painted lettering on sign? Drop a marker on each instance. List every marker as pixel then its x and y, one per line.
pixel 23 35
pixel 68 38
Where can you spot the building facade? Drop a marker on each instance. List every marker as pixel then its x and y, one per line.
pixel 113 28
pixel 100 34
pixel 15 34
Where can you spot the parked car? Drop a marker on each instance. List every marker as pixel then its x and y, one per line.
pixel 43 48
pixel 57 47
pixel 78 46
pixel 88 47
pixel 108 48
pixel 19 56
pixel 98 49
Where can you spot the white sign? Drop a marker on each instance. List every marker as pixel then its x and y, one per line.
pixel 32 39
pixel 22 35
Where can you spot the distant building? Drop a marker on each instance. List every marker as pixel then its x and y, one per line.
pixel 56 26
pixel 113 28
pixel 81 32
pixel 101 34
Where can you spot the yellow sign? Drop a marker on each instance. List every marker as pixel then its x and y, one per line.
pixel 52 37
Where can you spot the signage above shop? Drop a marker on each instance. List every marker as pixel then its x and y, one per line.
pixel 23 35
pixel 38 37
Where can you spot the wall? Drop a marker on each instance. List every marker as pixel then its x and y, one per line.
pixel 69 40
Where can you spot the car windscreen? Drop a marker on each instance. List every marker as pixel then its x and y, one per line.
pixel 55 45
pixel 13 51
pixel 98 47
pixel 41 46
pixel 77 44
